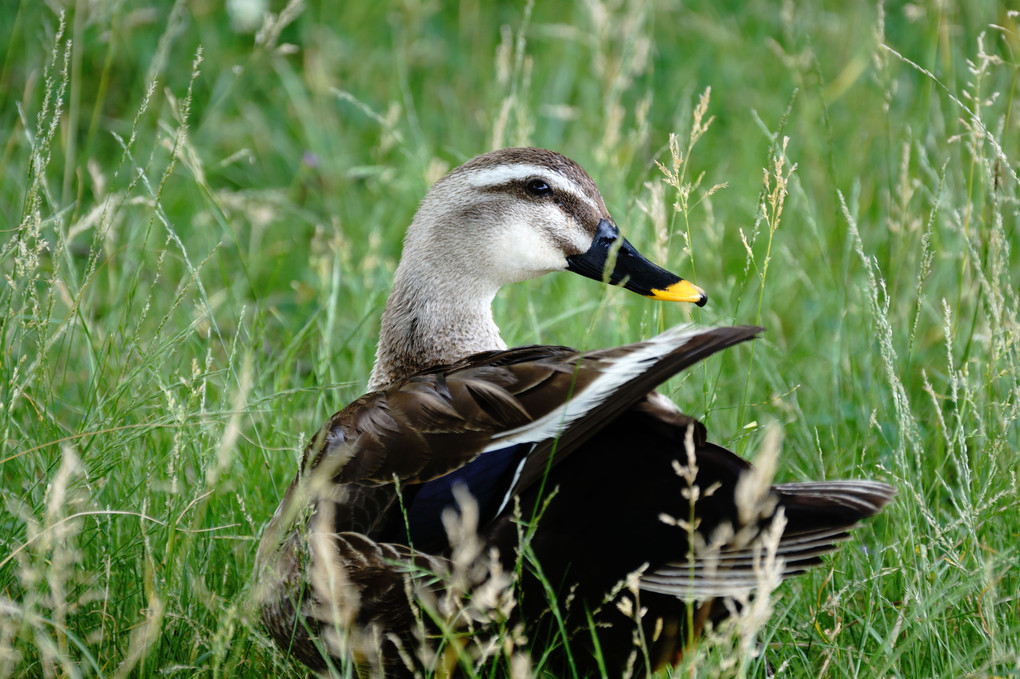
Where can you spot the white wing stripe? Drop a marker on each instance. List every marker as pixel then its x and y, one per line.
pixel 620 372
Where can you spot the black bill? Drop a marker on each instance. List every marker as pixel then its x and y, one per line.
pixel 636 273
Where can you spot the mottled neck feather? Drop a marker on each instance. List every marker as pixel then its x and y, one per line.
pixel 432 320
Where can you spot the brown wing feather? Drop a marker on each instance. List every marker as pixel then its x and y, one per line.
pixel 428 425
pixel 431 424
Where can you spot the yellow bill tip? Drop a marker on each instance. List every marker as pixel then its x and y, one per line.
pixel 681 291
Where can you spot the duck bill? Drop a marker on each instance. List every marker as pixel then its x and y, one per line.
pixel 631 269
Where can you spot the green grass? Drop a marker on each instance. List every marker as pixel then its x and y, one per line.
pixel 195 254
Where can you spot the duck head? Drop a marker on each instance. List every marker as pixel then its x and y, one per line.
pixel 518 213
pixel 500 218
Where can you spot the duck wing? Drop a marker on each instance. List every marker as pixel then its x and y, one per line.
pixel 494 422
pixel 434 422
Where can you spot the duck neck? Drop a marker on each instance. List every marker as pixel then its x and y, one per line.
pixel 432 318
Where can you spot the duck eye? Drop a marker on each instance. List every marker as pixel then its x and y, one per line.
pixel 538 187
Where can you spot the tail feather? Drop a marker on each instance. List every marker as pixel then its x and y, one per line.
pixel 819 516
pixel 856 499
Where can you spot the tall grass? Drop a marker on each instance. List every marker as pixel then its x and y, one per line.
pixel 202 207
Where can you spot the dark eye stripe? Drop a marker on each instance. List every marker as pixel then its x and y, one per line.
pixel 574 204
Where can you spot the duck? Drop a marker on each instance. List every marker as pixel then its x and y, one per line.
pixel 480 498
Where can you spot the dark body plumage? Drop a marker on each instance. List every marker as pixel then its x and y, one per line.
pixel 603 476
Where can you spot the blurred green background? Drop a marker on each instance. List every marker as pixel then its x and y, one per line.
pixel 202 205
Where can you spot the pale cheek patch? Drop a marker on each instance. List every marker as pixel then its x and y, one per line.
pixel 522 251
pixel 580 239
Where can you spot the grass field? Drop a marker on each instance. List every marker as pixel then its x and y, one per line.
pixel 201 209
